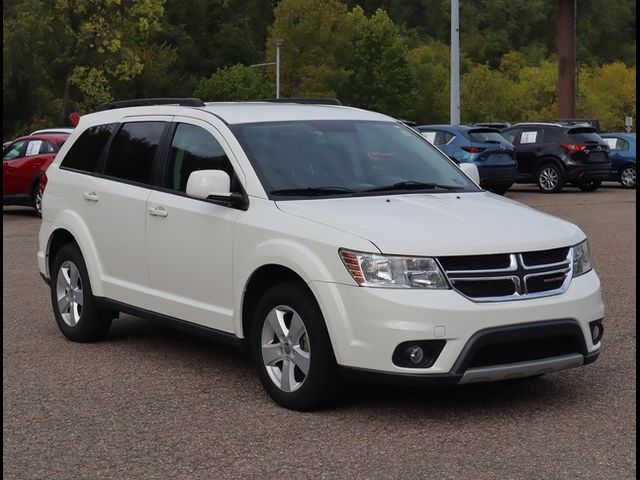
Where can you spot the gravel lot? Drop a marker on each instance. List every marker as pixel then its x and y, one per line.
pixel 153 403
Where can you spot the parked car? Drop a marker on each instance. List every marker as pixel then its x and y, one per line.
pixel 24 161
pixel 483 146
pixel 332 242
pixel 553 154
pixel 622 153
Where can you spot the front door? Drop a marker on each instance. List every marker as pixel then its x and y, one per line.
pixel 189 240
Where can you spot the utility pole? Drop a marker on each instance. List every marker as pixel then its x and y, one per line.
pixel 279 44
pixel 455 64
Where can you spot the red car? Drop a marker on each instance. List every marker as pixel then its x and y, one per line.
pixel 24 161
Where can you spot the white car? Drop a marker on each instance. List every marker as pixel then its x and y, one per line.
pixel 334 243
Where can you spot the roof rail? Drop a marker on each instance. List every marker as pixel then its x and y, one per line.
pixel 139 102
pixel 308 101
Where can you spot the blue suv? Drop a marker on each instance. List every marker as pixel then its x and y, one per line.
pixel 494 156
pixel 623 157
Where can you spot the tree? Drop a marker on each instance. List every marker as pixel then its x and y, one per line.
pixel 235 83
pixel 316 38
pixel 381 78
pixel 608 93
pixel 430 66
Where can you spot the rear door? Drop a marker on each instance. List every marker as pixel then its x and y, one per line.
pixel 529 145
pixel 116 207
pixel 189 241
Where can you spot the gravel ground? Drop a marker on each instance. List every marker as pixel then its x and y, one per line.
pixel 153 403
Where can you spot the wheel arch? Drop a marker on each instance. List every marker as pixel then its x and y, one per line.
pixel 261 279
pixel 71 229
pixel 546 160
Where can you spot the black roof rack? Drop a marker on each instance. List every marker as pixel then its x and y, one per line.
pixel 140 102
pixel 308 101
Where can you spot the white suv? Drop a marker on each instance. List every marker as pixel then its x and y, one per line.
pixel 332 242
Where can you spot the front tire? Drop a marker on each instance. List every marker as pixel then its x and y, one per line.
pixel 628 177
pixel 550 178
pixel 292 350
pixel 77 314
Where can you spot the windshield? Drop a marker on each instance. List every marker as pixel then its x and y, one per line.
pixel 346 157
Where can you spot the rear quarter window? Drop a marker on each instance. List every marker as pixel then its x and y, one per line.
pixel 85 153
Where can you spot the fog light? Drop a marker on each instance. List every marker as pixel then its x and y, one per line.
pixel 596 331
pixel 416 355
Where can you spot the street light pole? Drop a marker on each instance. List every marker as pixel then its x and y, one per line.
pixel 455 64
pixel 279 44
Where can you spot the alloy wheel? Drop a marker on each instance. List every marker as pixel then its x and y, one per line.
pixel 628 177
pixel 69 293
pixel 548 178
pixel 286 353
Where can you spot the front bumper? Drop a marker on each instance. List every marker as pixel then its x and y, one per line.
pixel 367 324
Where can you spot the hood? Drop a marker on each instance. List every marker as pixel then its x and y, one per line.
pixel 440 224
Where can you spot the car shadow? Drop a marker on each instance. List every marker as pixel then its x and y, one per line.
pixel 172 345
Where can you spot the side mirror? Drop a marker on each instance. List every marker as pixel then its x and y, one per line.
pixel 471 171
pixel 204 183
pixel 215 185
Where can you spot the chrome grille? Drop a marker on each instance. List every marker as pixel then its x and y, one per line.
pixel 513 276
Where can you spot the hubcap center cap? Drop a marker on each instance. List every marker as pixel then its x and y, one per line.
pixel 287 349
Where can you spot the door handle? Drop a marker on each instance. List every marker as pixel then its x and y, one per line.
pixel 158 212
pixel 91 196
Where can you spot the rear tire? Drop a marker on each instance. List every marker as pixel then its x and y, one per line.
pixel 36 199
pixel 78 316
pixel 550 178
pixel 591 186
pixel 292 350
pixel 628 176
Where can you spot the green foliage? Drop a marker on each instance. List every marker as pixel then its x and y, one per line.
pixel 430 66
pixel 608 93
pixel 317 38
pixel 386 55
pixel 235 83
pixel 380 78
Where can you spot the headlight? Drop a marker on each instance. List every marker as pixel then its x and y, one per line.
pixel 581 260
pixel 372 270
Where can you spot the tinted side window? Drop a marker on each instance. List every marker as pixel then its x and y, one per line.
pixel 133 150
pixel 85 153
pixel 193 148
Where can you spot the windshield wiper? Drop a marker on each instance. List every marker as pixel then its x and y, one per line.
pixel 311 191
pixel 411 185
